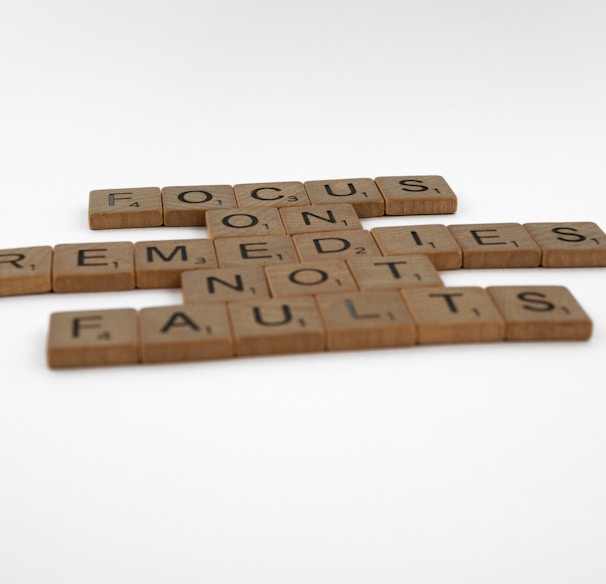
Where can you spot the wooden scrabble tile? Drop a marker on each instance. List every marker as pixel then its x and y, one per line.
pixel 361 193
pixel 92 337
pixel 454 315
pixel 244 222
pixel 496 245
pixel 569 245
pixel 542 313
pixel 93 267
pixel 383 273
pixel 120 208
pixel 159 264
pixel 434 241
pixel 276 325
pixel 339 245
pixel 361 320
pixel 271 194
pixel 25 270
pixel 187 205
pixel 416 195
pixel 259 250
pixel 184 333
pixel 300 279
pixel 313 218
pixel 223 284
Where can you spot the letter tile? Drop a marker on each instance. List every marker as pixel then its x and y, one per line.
pixel 244 222
pixel 271 194
pixel 187 205
pixel 544 313
pixel 121 208
pixel 338 245
pixel 313 218
pixel 25 270
pixel 416 195
pixel 361 193
pixel 254 250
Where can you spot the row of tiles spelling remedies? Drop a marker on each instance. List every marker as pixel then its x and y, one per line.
pixel 300 324
pixel 179 206
pixel 90 267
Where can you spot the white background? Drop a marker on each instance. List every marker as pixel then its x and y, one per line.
pixel 451 464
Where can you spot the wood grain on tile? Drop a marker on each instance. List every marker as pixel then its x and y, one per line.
pixel 276 325
pixel 92 338
pixel 254 250
pixel 123 208
pixel 93 267
pixel 26 270
pixel 244 222
pixel 187 205
pixel 184 333
pixel 543 313
pixel 362 320
pixel 271 194
pixel 454 315
pixel 416 195
pixel 361 193
pixel 313 218
pixel 159 264
pixel 496 245
pixel 434 241
pixel 569 244
pixel 339 245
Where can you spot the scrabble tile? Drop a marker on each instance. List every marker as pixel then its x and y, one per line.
pixel 434 241
pixel 496 245
pixel 542 313
pixel 361 193
pixel 314 218
pixel 276 325
pixel 93 267
pixel 335 245
pixel 271 194
pixel 92 337
pixel 120 208
pixel 383 273
pixel 300 279
pixel 259 250
pixel 362 320
pixel 187 205
pixel 244 222
pixel 454 315
pixel 159 264
pixel 569 245
pixel 184 333
pixel 224 284
pixel 25 270
pixel 416 195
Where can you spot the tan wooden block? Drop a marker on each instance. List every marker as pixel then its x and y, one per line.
pixel 123 208
pixel 244 222
pixel 276 326
pixel 496 245
pixel 255 250
pixel 224 284
pixel 314 218
pixel 159 264
pixel 271 194
pixel 416 195
pixel 361 193
pixel 184 333
pixel 434 241
pixel 187 205
pixel 300 279
pixel 92 338
pixel 362 320
pixel 93 267
pixel 454 315
pixel 569 245
pixel 543 313
pixel 338 245
pixel 384 273
pixel 25 270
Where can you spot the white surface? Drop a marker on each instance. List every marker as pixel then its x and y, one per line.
pixel 454 464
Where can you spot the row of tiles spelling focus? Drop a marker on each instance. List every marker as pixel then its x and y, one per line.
pixel 89 267
pixel 337 321
pixel 180 206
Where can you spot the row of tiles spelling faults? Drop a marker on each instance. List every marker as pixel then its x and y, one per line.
pixel 90 267
pixel 301 324
pixel 179 206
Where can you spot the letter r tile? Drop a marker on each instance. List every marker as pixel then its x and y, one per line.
pixel 25 270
